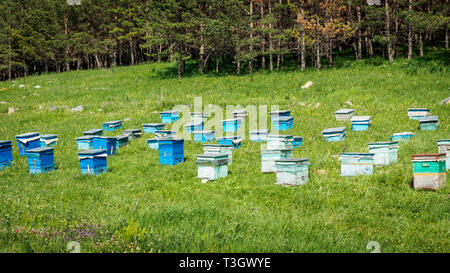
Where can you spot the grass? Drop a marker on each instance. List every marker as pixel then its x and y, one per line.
pixel 140 206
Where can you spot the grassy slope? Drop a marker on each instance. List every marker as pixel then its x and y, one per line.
pixel 142 206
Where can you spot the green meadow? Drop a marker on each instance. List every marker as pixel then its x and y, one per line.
pixel 141 206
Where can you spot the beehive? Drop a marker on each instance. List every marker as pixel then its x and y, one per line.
pixel 259 135
pixel 444 147
pixel 333 134
pixel 204 136
pixel 428 123
pixel 221 149
pixel 231 125
pixel 169 116
pixel 282 113
pixel 85 142
pixel 385 152
pixel 28 141
pixel 105 142
pixel 235 141
pixel 297 142
pixel 194 126
pixel 360 123
pixel 353 164
pixel 132 133
pixel 93 132
pixel 197 116
pixel 429 171
pixel 268 157
pixel 416 113
pixel 153 143
pixel 48 140
pixel 165 133
pixel 240 114
pixel 93 161
pixel 151 128
pixel 344 114
pixel 110 126
pixel 212 166
pixel 279 141
pixel 6 157
pixel 283 123
pixel 292 171
pixel 171 151
pixel 403 137
pixel 121 141
pixel 41 160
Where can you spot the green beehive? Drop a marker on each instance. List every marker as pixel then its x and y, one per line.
pixel 429 171
pixel 212 166
pixel 292 171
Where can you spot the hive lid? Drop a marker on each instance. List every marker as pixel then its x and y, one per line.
pixel 231 120
pixel 428 157
pixel 112 122
pixel 132 130
pixel 284 118
pixel 383 143
pixel 357 155
pixel 230 137
pixel 40 150
pixel 293 160
pixel 259 131
pixel 49 136
pixel 4 143
pixel 360 118
pixel 280 136
pixel 153 124
pixel 217 145
pixel 271 151
pixel 428 119
pixel 105 137
pixel 93 131
pixel 212 156
pixel 333 130
pixel 216 162
pixel 165 131
pixel 92 152
pixel 419 109
pixel 439 141
pixel 276 113
pixel 169 112
pixel 199 114
pixel 344 111
pixel 298 137
pixel 84 137
pixel 121 137
pixel 170 139
pixel 194 123
pixel 203 132
pixel 402 134
pixel 28 135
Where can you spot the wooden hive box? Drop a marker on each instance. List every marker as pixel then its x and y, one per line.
pixel 151 128
pixel 386 152
pixel 110 126
pixel 221 149
pixel 259 135
pixel 240 114
pixel 196 116
pixel 268 157
pixel 48 140
pixel 93 132
pixel 297 142
pixel 402 137
pixel 93 161
pixel 105 142
pixel 194 126
pixel 429 171
pixel 333 134
pixel 169 116
pixel 292 171
pixel 171 151
pixel 204 136
pixel 360 123
pixel 444 147
pixel 416 113
pixel 231 125
pixel 41 160
pixel 165 133
pixel 28 141
pixel 6 157
pixel 428 123
pixel 212 166
pixel 344 114
pixel 235 141
pixel 282 123
pixel 122 141
pixel 279 141
pixel 353 164
pixel 85 142
pixel 132 133
pixel 281 113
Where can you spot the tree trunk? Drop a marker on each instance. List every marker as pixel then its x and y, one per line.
pixel 131 51
pixel 98 61
pixel 388 35
pixel 420 45
pixel 159 52
pixel 410 34
pixel 279 46
pixel 201 63
pixel 330 53
pixel 318 64
pixel 358 15
pixel 179 68
pixel 446 36
pixel 263 42
pixel 303 52
pixel 270 40
pixel 217 63
pixel 250 60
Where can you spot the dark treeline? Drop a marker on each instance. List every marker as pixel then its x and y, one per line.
pixel 52 35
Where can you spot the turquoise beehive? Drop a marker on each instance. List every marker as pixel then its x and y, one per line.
pixel 212 166
pixel 107 143
pixel 416 113
pixel 292 171
pixel 110 126
pixel 48 140
pixel 93 162
pixel 85 142
pixel 219 149
pixel 297 142
pixel 428 123
pixel 231 140
pixel 171 151
pixel 385 152
pixel 93 132
pixel 360 123
pixel 231 125
pixel 169 116
pixel 259 135
pixel 268 157
pixel 132 133
pixel 41 160
pixel 429 171
pixel 150 128
pixel 6 157
pixel 197 116
pixel 203 136
pixel 279 141
pixel 122 141
pixel 28 141
pixel 193 126
pixel 281 113
pixel 281 123
pixel 333 134
pixel 165 133
pixel 403 137
pixel 353 164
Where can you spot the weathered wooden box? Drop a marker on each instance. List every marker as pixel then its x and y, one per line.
pixel 93 132
pixel 48 140
pixel 230 140
pixel 110 126
pixel 292 171
pixel 165 133
pixel 212 166
pixel 353 164
pixel 297 142
pixel 93 161
pixel 153 143
pixel 231 125
pixel 385 152
pixel 259 135
pixel 122 141
pixel 85 142
pixel 107 143
pixel 428 123
pixel 171 151
pixel 194 126
pixel 6 157
pixel 132 133
pixel 41 160
pixel 333 134
pixel 197 116
pixel 204 136
pixel 401 137
pixel 344 114
pixel 281 123
pixel 151 128
pixel 360 123
pixel 279 141
pixel 416 113
pixel 429 171
pixel 268 157
pixel 219 149
pixel 240 114
pixel 444 147
pixel 281 113
pixel 169 116
pixel 28 141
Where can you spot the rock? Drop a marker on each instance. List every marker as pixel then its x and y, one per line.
pixel 41 107
pixel 127 119
pixel 349 103
pixel 204 181
pixel 100 109
pixel 79 108
pixel 307 85
pixel 10 110
pixel 317 105
pixel 322 172
pixel 445 101
pixel 21 86
pixel 3 102
pixel 52 108
pixel 302 103
pixel 37 86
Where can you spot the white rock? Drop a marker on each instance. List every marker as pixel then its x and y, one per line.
pixel 445 101
pixel 204 181
pixel 21 86
pixel 10 110
pixel 3 102
pixel 79 108
pixel 349 103
pixel 307 85
pixel 37 86
pixel 127 119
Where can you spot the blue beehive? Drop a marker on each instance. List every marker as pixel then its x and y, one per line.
pixel 282 113
pixel 196 125
pixel 169 116
pixel 283 123
pixel 6 157
pixel 428 123
pixel 85 142
pixel 353 164
pixel 121 141
pixel 404 137
pixel 344 114
pixel 259 135
pixel 132 133
pixel 416 113
pixel 221 149
pixel 444 147
pixel 334 134
pixel 212 166
pixel 385 153
pixel 41 160
pixel 171 151
pixel 165 133
pixel 110 126
pixel 150 128
pixel 231 125
pixel 196 116
pixel 231 140
pixel 93 132
pixel 204 136
pixel 292 171
pixel 429 171
pixel 153 143
pixel 48 140
pixel 360 123
pixel 93 161
pixel 297 142
pixel 28 141
pixel 105 142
